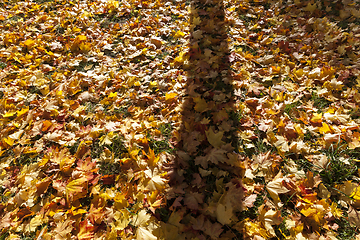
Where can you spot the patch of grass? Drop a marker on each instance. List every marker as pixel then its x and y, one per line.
pixel 260 146
pixel 165 130
pixel 96 149
pixel 302 163
pixel 3 65
pixel 308 136
pixel 117 147
pixel 4 198
pixel 83 64
pixel 4 236
pixel 107 168
pixel 289 107
pixel 355 114
pixel 345 230
pixel 319 102
pixel 245 19
pixel 123 110
pixel 281 230
pixel 26 159
pixel 73 148
pixel 29 236
pixel 34 90
pixel 339 168
pixel 162 145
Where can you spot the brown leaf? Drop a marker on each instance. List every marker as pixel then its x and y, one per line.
pixel 354 216
pixel 212 229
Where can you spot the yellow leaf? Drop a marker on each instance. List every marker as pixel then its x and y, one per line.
pixel 85 47
pixel 179 34
pixel 170 96
pixel 316 118
pixel 35 222
pixel 143 233
pixel 323 192
pixel 80 38
pixel 153 84
pixel 76 29
pixel 308 211
pixel 120 201
pixel 142 218
pixel 155 181
pixel 134 153
pixel 299 73
pixel 215 138
pixel 181 58
pixel 275 188
pixel 196 20
pixel 356 194
pixel 107 139
pixel 8 141
pixel 22 112
pixel 201 105
pixel 112 95
pixel 29 44
pixel 310 7
pixel 75 189
pixel 122 219
pixel 9 114
pixel 152 159
pixel 224 213
pixel 325 128
pixel 336 211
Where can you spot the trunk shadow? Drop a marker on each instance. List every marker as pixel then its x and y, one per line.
pixel 206 189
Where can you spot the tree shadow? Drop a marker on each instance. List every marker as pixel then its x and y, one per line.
pixel 206 180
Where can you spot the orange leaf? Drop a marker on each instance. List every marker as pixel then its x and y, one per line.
pixel 86 230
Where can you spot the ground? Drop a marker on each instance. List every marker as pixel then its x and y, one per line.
pixel 179 119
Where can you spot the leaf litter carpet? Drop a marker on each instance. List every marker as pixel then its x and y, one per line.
pixel 179 119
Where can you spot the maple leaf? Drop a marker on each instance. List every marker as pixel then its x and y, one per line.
pixel 143 233
pixel 155 181
pixel 76 189
pixel 142 218
pixel 193 199
pixel 214 138
pixel 122 219
pixel 270 217
pixel 216 155
pixel 95 214
pixel 86 230
pixel 224 213
pixel 201 104
pixel 212 229
pixel 249 201
pixel 275 188
pixel 63 229
pixel 62 158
